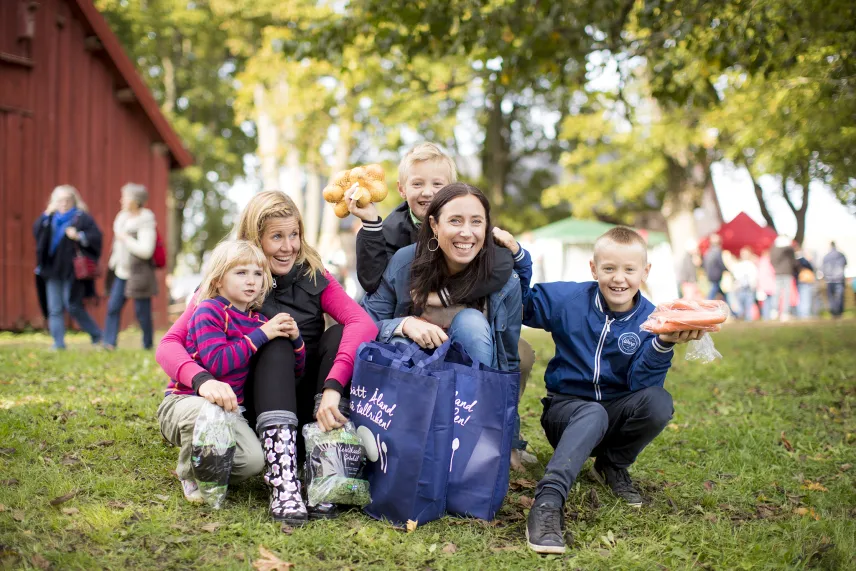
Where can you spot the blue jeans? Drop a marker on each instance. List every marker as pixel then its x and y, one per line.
pixel 471 329
pixel 61 298
pixel 715 289
pixel 746 301
pixel 617 429
pixel 835 292
pixel 142 307
pixel 806 293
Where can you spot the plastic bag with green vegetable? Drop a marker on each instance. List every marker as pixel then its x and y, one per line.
pixel 334 466
pixel 212 452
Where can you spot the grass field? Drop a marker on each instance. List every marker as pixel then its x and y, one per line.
pixel 756 471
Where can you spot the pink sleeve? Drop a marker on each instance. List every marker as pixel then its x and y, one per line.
pixel 171 354
pixel 358 327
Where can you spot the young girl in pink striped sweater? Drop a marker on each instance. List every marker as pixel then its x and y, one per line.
pixel 223 334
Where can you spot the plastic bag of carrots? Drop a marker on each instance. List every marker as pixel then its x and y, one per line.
pixel 690 315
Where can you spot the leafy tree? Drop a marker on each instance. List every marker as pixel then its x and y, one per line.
pixel 181 51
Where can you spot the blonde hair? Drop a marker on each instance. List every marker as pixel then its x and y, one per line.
pixel 226 256
pixel 622 236
pixel 424 152
pixel 266 206
pixel 78 202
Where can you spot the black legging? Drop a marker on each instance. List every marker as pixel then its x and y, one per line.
pixel 271 382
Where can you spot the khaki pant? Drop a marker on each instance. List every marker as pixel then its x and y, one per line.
pixel 177 418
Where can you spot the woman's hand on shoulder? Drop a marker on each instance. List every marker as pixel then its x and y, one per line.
pixel 219 393
pixel 505 239
pixel 426 335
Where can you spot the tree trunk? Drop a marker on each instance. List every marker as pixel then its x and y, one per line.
pixel 759 194
pixel 292 183
pixel 496 146
pixel 328 241
pixel 312 207
pixel 268 136
pixel 799 212
pixel 679 208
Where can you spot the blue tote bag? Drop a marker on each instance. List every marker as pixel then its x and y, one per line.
pixel 404 417
pixel 484 422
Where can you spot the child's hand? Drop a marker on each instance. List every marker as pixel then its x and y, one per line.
pixel 219 393
pixel 505 239
pixel 682 336
pixel 277 326
pixel 290 328
pixel 367 213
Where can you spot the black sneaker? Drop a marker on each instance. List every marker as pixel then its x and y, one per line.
pixel 544 529
pixel 322 511
pixel 618 480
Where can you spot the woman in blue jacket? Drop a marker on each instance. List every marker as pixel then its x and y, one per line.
pixel 453 253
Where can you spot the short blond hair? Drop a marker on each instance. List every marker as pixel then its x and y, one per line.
pixel 78 202
pixel 228 255
pixel 266 206
pixel 622 236
pixel 425 152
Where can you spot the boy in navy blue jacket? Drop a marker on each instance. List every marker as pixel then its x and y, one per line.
pixel 605 395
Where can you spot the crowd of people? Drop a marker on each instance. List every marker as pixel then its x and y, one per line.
pixel 254 338
pixel 782 282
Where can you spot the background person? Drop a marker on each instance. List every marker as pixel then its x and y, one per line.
pixel 132 274
pixel 64 229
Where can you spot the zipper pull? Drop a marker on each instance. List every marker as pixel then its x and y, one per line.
pixel 608 323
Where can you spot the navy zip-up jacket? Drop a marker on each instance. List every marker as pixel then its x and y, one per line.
pixel 600 355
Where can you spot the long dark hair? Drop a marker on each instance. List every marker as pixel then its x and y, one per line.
pixel 429 271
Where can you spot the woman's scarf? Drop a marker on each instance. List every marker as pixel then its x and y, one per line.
pixel 59 223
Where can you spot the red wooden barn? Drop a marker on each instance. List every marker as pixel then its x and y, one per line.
pixel 72 111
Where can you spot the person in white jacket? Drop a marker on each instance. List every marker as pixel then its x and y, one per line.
pixel 745 274
pixel 131 267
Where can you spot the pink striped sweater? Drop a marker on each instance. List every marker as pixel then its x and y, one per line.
pixel 175 360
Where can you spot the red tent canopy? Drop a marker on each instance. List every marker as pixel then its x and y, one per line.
pixel 740 232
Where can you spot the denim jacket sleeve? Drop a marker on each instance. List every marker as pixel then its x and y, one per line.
pixel 511 336
pixel 381 304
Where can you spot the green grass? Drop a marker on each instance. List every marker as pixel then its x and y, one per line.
pixel 751 474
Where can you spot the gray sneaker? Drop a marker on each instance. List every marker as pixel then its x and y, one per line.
pixel 618 480
pixel 544 528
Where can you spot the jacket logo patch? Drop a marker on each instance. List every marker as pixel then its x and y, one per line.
pixel 628 343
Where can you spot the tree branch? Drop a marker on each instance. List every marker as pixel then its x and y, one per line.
pixel 759 193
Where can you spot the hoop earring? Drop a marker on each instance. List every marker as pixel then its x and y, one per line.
pixel 435 248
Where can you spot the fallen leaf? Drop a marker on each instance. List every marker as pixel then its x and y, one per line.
pixel 522 484
pixel 211 527
pixel 116 504
pixel 450 548
pixel 162 497
pixel 102 443
pixel 62 499
pixel 70 511
pixel 40 562
pixel 18 515
pixel 843 467
pixel 14 481
pixel 604 552
pixel 71 388
pixel 270 562
pixel 411 525
pixel 7 451
pixel 765 511
pixel 674 426
pixel 70 460
pixel 526 502
pixel 708 485
pixel 814 486
pixel 594 501
pixel 287 529
pixel 2 508
pixel 808 512
pixel 788 446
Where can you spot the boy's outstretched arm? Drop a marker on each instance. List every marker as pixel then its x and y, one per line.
pixel 652 361
pixel 503 265
pixel 538 301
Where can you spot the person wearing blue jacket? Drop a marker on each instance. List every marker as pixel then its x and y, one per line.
pixel 605 395
pixel 454 251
